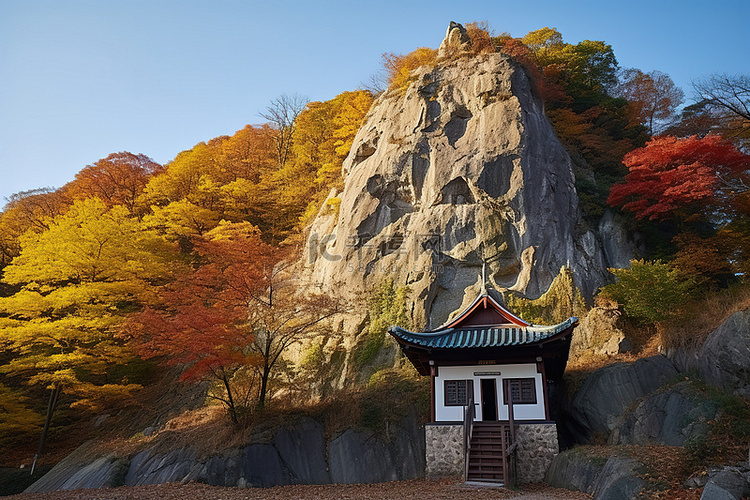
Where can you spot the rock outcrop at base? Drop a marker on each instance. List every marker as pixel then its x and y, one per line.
pixel 609 391
pixel 613 479
pixel 297 454
pixel 674 416
pixel 724 359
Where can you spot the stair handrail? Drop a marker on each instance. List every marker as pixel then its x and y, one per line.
pixel 468 431
pixel 513 446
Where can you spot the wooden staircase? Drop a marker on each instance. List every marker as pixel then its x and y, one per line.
pixel 487 460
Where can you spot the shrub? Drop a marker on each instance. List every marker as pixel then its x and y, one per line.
pixel 386 307
pixel 398 67
pixel 560 302
pixel 649 291
pixel 480 38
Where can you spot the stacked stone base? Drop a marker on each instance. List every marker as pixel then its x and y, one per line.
pixel 444 453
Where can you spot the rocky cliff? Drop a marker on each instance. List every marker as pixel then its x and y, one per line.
pixel 460 167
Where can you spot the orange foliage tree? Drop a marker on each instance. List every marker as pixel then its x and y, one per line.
pixel 653 96
pixel 117 179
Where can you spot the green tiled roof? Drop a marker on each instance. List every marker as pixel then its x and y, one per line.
pixel 482 337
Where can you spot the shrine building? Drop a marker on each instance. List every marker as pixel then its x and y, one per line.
pixel 491 374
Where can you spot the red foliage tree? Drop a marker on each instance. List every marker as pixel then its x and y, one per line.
pixel 670 175
pixel 240 309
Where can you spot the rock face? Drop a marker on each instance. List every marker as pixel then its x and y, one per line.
pixel 609 391
pixel 297 454
pixel 620 245
pixel 461 166
pixel 671 417
pixel 727 485
pixel 724 359
pixel 614 479
pixel 600 332
pixel 456 39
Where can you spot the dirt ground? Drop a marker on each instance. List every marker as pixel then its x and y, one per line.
pixel 397 490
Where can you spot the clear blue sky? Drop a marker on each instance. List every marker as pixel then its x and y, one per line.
pixel 80 79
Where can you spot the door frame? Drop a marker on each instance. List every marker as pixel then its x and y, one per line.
pixel 484 400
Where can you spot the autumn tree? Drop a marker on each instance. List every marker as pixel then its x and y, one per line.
pixel 282 114
pixel 671 176
pixel 241 309
pixel 729 92
pixel 77 279
pixel 117 179
pixel 17 420
pixel 322 138
pixel 234 178
pixel 185 177
pixel 27 210
pixel 653 96
pixel 727 99
pixel 705 258
pixel 398 67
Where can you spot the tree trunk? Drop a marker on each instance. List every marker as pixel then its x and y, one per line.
pixel 263 386
pixel 231 405
pixel 51 405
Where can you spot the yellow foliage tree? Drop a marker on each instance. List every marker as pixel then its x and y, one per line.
pixel 77 280
pixel 323 136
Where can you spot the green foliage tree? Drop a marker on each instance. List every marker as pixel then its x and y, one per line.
pixel 650 291
pixel 576 82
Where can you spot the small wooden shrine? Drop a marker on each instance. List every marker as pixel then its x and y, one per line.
pixel 491 374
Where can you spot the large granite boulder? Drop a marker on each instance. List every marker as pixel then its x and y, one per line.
pixel 613 479
pixel 461 166
pixel 726 485
pixel 83 468
pixel 600 332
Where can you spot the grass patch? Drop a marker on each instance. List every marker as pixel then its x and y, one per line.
pixel 728 437
pixel 699 318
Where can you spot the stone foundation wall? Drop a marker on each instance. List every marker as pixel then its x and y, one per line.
pixel 444 450
pixel 537 446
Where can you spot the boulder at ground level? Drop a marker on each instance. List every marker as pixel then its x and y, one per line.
pixel 671 417
pixel 726 485
pixel 81 470
pixel 609 391
pixel 724 359
pixel 613 479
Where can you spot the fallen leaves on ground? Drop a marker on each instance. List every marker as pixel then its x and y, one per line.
pixel 417 489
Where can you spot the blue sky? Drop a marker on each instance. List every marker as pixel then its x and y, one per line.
pixel 82 79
